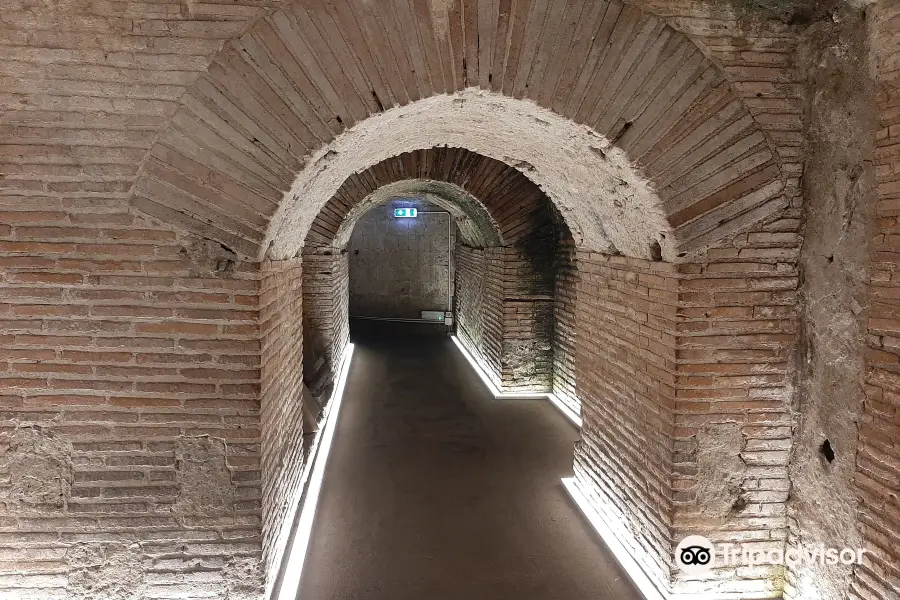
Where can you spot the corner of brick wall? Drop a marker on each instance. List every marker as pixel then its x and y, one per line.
pixel 685 375
pixel 281 395
pixel 326 278
pixel 527 286
pixel 878 453
pixel 505 314
pixel 565 329
pixel 478 305
pixel 625 361
pixel 737 341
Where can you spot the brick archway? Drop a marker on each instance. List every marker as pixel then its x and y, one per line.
pixel 503 205
pixel 476 226
pixel 688 153
pixel 506 259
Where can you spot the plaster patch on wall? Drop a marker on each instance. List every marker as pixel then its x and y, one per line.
pixel 720 469
pixel 40 470
pixel 208 258
pixel 243 579
pixel 105 572
pixel 607 204
pixel 839 204
pixel 204 480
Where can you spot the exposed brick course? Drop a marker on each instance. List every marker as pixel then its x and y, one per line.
pixel 625 368
pixel 878 454
pixel 130 385
pixel 684 377
pixel 505 315
pixel 737 336
pixel 478 308
pixel 326 279
pixel 281 395
pixel 565 329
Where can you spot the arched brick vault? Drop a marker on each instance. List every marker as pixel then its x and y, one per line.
pixel 274 99
pixel 500 214
pixel 509 201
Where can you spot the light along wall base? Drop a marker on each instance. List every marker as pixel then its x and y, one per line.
pixel 645 585
pixel 500 395
pixel 637 575
pixel 287 585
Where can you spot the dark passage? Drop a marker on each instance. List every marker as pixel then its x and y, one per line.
pixel 434 490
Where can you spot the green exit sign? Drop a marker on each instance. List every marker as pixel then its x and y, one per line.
pixel 405 213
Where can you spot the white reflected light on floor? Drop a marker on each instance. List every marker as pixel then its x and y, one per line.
pixel 624 558
pixel 492 387
pixel 612 532
pixel 289 586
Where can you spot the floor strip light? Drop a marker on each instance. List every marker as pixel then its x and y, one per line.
pixel 289 585
pixel 645 585
pixel 640 579
pixel 499 395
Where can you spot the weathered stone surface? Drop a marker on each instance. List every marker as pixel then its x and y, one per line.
pixel 400 267
pixel 40 470
pixel 205 485
pixel 106 572
pixel 838 218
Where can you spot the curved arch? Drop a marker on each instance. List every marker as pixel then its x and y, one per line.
pixel 606 203
pixel 503 218
pixel 476 227
pixel 275 101
pixel 501 202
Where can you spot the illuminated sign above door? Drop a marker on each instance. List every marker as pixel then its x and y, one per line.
pixel 405 213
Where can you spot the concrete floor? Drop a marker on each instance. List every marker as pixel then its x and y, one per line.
pixel 434 490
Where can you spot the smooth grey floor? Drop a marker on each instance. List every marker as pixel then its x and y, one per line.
pixel 434 490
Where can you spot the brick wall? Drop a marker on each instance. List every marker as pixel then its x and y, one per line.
pixel 505 313
pixel 878 456
pixel 478 305
pixel 565 329
pixel 737 339
pixel 281 393
pixel 149 344
pixel 527 292
pixel 625 369
pixel 325 299
pixel 685 378
pixel 130 436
